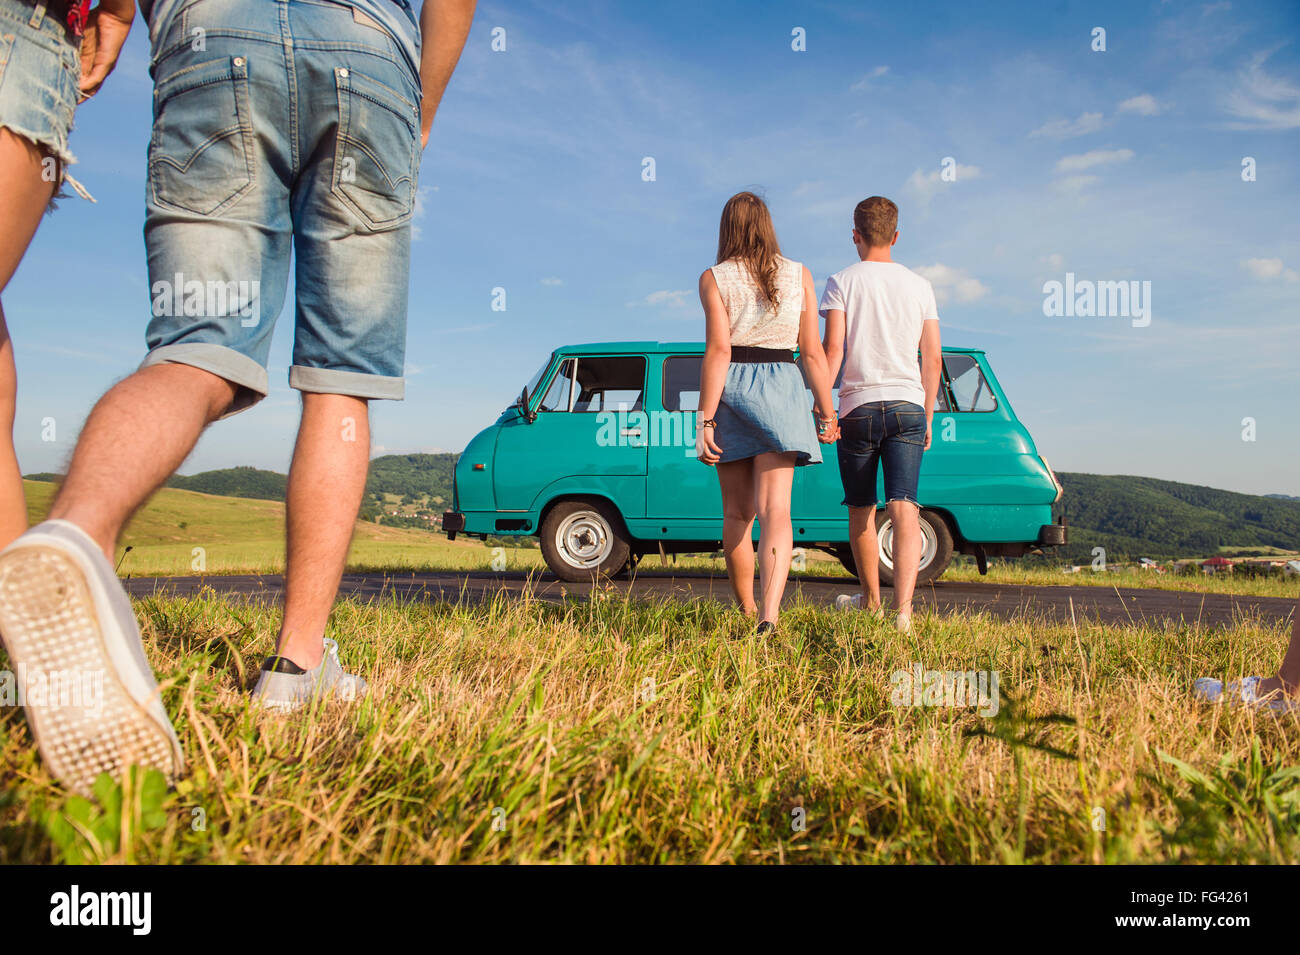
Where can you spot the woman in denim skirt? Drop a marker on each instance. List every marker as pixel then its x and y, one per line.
pixel 52 55
pixel 754 423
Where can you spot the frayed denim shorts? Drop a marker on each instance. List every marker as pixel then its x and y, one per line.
pixel 40 69
pixel 281 128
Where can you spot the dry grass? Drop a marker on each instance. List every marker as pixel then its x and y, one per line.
pixel 616 731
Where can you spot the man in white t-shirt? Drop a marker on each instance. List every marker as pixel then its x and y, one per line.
pixel 878 315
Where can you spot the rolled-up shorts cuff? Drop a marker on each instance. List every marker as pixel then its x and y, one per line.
pixel 355 384
pixel 234 367
pixel 855 503
pixel 904 500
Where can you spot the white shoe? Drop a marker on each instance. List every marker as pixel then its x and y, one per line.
pixel 1243 692
pixel 848 602
pixel 64 617
pixel 283 685
pixel 903 623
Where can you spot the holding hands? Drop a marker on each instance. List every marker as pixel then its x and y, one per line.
pixel 706 447
pixel 828 427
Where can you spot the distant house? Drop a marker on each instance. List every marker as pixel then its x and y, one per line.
pixel 1292 567
pixel 1217 565
pixel 1146 563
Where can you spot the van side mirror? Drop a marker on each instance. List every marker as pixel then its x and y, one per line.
pixel 529 416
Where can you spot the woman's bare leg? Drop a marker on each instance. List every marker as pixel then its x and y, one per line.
pixel 25 192
pixel 774 477
pixel 1288 678
pixel 736 479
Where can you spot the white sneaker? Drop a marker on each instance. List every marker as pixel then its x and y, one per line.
pixel 1243 692
pixel 903 623
pixel 285 686
pixel 848 602
pixel 64 617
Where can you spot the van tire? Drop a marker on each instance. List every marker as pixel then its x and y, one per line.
pixel 584 541
pixel 932 526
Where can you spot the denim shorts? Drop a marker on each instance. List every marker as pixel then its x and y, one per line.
pixel 40 69
pixel 281 125
pixel 892 432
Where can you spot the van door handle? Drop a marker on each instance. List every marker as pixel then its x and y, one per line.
pixel 630 432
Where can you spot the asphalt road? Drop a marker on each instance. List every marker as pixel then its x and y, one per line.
pixel 1110 605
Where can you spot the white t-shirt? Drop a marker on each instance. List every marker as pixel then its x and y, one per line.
pixel 884 305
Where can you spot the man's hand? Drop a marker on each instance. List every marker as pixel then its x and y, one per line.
pixel 444 25
pixel 101 44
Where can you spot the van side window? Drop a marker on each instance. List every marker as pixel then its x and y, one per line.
pixel 682 383
pixel 970 391
pixel 605 383
pixel 558 395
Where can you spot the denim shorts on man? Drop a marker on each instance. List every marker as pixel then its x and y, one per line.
pixel 889 432
pixel 282 125
pixel 40 69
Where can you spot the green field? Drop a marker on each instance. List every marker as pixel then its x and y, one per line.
pixel 245 536
pixel 608 731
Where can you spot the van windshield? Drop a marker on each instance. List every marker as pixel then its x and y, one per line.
pixel 534 381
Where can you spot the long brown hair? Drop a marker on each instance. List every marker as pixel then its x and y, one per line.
pixel 746 234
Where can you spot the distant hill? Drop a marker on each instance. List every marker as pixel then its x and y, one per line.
pixel 234 482
pixel 1129 516
pixel 1148 517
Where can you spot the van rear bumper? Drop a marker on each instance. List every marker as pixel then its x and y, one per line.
pixel 453 522
pixel 1052 535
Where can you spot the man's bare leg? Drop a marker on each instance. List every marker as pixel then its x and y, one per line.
pixel 326 482
pixel 736 480
pixel 140 432
pixel 866 554
pixel 906 520
pixel 25 192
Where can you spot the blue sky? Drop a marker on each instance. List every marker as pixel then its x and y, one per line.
pixel 1116 165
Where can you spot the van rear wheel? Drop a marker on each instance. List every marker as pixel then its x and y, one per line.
pixel 936 549
pixel 583 540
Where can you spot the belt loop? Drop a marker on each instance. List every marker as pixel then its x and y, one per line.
pixel 37 16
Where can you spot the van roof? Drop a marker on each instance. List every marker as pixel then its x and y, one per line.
pixel 619 348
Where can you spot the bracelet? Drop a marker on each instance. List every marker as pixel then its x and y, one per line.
pixel 709 423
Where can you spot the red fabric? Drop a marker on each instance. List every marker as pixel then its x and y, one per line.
pixel 78 10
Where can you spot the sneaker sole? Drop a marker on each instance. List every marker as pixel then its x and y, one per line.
pixel 49 625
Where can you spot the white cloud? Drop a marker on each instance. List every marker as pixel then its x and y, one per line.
pixel 1144 105
pixel 552 281
pixel 1067 129
pixel 865 82
pixel 1096 157
pixel 926 184
pixel 1055 261
pixel 1261 100
pixel 672 298
pixel 1269 269
pixel 952 284
pixel 1075 184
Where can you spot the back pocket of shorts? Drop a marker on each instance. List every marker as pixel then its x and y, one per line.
pixel 200 156
pixel 376 151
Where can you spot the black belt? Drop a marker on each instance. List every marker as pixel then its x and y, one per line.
pixel 749 355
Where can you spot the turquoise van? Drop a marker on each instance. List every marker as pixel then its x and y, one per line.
pixel 596 458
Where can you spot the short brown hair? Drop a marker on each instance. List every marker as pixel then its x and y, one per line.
pixel 876 220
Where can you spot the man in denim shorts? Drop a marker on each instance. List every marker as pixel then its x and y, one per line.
pixel 878 314
pixel 278 125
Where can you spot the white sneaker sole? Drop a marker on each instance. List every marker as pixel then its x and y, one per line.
pixel 49 625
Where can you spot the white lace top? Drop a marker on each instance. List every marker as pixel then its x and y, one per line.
pixel 753 320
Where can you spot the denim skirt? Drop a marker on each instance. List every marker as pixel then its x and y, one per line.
pixel 766 408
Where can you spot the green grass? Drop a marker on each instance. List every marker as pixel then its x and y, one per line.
pixel 616 731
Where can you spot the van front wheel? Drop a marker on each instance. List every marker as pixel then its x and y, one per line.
pixel 582 540
pixel 936 549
